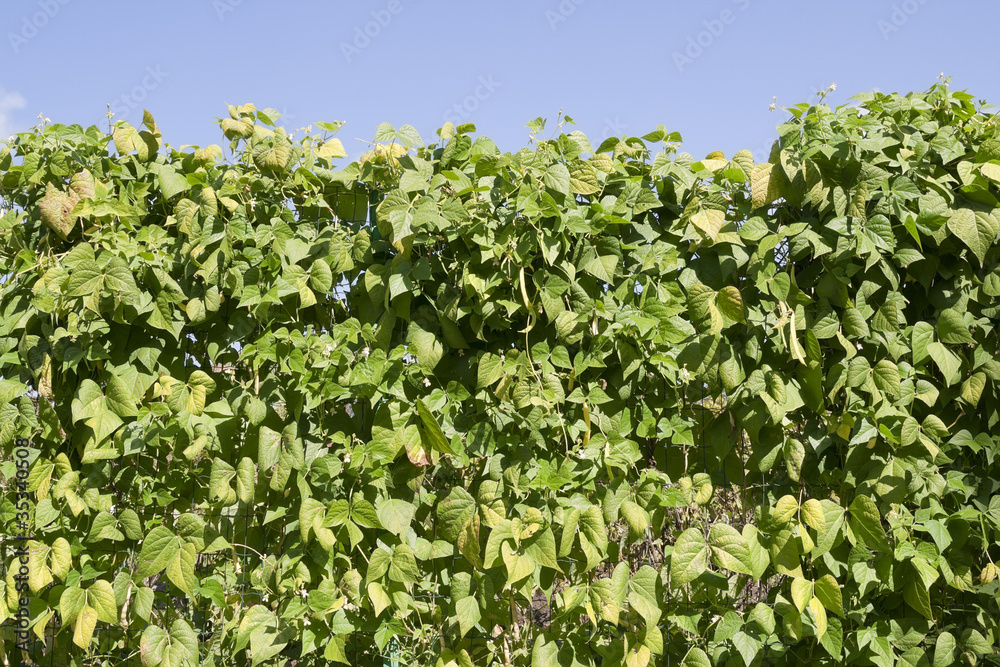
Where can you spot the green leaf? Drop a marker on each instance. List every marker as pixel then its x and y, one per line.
pixel 828 591
pixel 593 528
pixel 951 328
pixel 158 547
pixel 245 479
pixel 801 592
pixel 695 657
pixel 143 604
pixel 120 398
pixel 467 613
pixel 812 514
pixel 635 516
pixel 395 515
pixel 705 314
pixel 180 568
pixel 174 649
pixel 644 594
pixel 758 555
pixel 910 431
pixel 973 387
pixel 84 626
pixel 84 281
pixel 747 646
pixel 432 434
pixel 918 597
pixel 403 565
pixel 730 303
pixel 101 598
pixel 786 508
pixel 866 522
pixel 819 616
pixel 321 277
pixel 886 376
pixel 764 188
pixel 171 181
pixel 11 389
pixel 944 650
pixel 583 178
pixel 729 549
pixel 455 512
pixel 608 594
pixel 833 640
pixel 947 362
pixel 974 231
pixel 541 547
pixel 71 603
pixel 603 268
pixel 557 177
pixel 426 347
pixel 857 372
pixel 268 448
pixel 709 221
pixel 545 651
pixel 518 565
pixel 689 558
pixel 785 554
pixel 490 370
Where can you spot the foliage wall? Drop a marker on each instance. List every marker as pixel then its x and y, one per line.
pixel 572 405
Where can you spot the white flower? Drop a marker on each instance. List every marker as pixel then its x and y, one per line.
pixel 427 382
pixel 304 593
pixel 832 86
pixel 264 598
pixel 365 351
pixel 772 107
pixel 112 509
pixel 347 458
pixel 306 622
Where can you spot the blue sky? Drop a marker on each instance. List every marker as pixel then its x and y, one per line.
pixel 707 69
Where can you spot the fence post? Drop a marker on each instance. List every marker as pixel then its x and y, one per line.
pixel 391 656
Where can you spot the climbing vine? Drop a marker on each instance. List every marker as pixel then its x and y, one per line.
pixel 573 405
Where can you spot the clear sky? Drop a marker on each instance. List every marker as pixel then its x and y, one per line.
pixel 707 69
